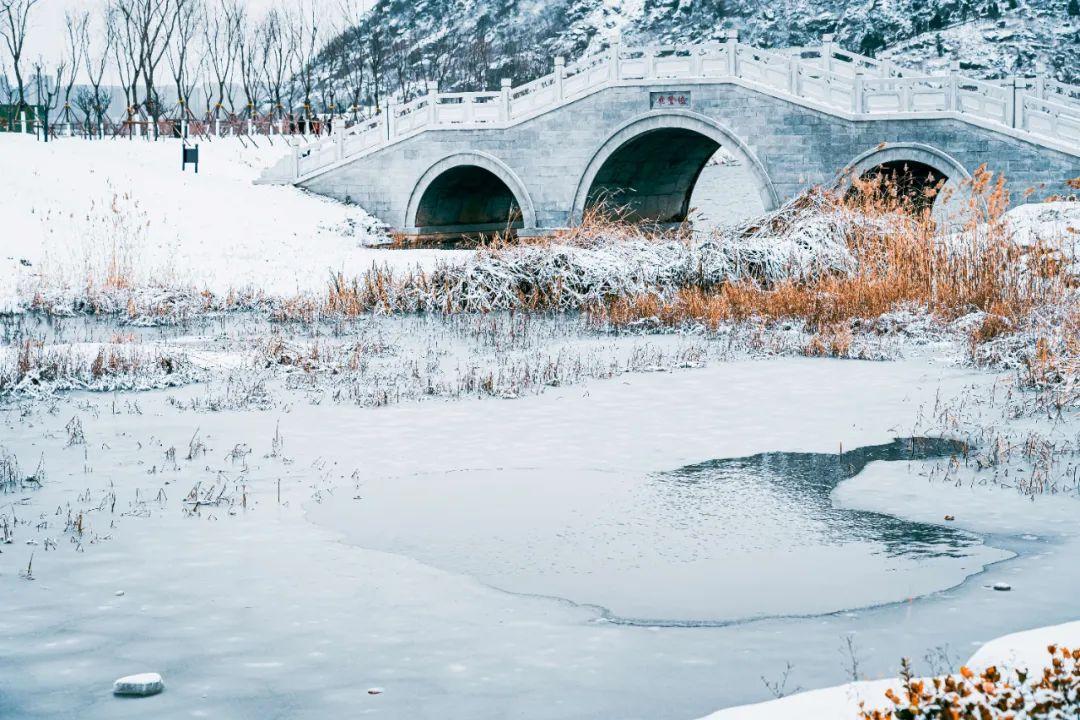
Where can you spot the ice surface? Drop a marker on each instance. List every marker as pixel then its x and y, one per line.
pixel 712 543
pixel 252 611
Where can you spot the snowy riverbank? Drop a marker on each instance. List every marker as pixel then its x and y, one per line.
pixel 76 210
pixel 1026 649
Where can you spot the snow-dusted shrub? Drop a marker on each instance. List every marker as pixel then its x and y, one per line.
pixel 803 240
pixel 1013 694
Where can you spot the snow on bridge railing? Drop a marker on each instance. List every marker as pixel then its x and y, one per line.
pixel 827 78
pixel 832 57
pixel 1050 118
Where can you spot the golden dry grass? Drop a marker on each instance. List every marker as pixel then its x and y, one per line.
pixel 902 261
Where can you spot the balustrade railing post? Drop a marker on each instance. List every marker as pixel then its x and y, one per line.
pixel 1040 80
pixel 614 60
pixel 954 87
pixel 1010 101
pixel 504 100
pixel 388 120
pixel 296 160
pixel 858 103
pixel 794 64
pixel 733 52
pixel 695 61
pixel 827 49
pixel 905 95
pixel 432 93
pixel 560 73
pixel 339 140
pixel 886 68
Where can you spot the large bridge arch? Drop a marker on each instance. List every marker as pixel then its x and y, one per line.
pixel 926 166
pixel 630 159
pixel 467 193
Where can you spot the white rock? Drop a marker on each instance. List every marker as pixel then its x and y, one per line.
pixel 1003 586
pixel 139 685
pixel 119 593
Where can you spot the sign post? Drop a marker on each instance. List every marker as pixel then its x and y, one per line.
pixel 190 155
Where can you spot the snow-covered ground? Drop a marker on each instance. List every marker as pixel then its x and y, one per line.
pixel 1027 649
pixel 72 208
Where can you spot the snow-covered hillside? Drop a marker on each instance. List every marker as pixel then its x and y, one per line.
pixel 471 44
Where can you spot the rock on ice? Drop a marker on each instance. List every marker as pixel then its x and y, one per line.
pixel 139 685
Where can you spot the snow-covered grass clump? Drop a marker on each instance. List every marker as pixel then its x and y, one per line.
pixel 587 266
pixel 31 368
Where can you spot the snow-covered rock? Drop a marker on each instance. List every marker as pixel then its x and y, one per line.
pixel 140 685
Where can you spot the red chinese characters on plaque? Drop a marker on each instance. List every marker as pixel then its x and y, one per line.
pixel 669 99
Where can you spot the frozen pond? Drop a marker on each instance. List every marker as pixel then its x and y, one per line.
pixel 725 194
pixel 276 544
pixel 667 548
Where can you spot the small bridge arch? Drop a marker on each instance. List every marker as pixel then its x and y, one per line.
pixel 469 193
pixel 652 162
pixel 916 167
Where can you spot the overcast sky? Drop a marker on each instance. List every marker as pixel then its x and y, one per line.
pixel 45 35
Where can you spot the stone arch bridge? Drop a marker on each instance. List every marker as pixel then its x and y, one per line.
pixel 639 125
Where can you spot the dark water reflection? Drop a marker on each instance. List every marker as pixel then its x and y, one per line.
pixel 806 480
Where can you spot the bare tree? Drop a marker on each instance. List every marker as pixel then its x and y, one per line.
pixel 148 26
pixel 438 62
pixel 479 55
pixel 304 27
pixel 13 18
pixel 189 19
pixel 5 86
pixel 48 88
pixel 127 53
pixel 250 45
pixel 93 101
pixel 220 34
pixel 75 25
pixel 350 52
pixel 276 56
pixel 376 51
pixel 400 52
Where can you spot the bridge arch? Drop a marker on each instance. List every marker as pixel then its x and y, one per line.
pixel 917 165
pixel 468 193
pixel 638 156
